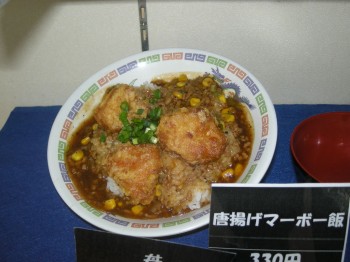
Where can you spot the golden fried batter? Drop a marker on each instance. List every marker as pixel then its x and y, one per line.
pixel 136 170
pixel 107 113
pixel 192 134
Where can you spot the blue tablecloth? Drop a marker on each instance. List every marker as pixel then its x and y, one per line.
pixel 36 225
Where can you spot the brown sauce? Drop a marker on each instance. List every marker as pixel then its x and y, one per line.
pixel 91 181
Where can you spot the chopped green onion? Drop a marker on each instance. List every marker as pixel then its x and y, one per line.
pixel 124 106
pixel 155 96
pixel 140 111
pixel 155 113
pixel 153 126
pixel 154 140
pixel 136 120
pixel 123 136
pixel 103 138
pixel 139 130
pixel 123 117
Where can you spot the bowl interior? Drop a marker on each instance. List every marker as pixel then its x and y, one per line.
pixel 321 146
pixel 137 70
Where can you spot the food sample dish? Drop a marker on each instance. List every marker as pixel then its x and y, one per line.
pixel 154 151
pixel 149 151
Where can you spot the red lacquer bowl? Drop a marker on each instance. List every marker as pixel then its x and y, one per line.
pixel 321 147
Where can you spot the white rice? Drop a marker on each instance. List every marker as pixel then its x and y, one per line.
pixel 113 187
pixel 199 197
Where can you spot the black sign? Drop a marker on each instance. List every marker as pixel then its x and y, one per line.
pixel 292 223
pixel 102 246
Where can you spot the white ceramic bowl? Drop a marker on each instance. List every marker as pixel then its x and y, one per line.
pixel 138 69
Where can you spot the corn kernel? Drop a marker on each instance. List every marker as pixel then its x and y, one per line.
pixel 238 169
pixel 179 95
pixel 85 141
pixel 136 210
pixel 207 82
pixel 183 78
pixel 228 174
pixel 222 99
pixel 120 204
pixel 158 190
pixel 228 118
pixel 195 101
pixel 110 204
pixel 77 155
pixel 222 125
pixel 94 126
pixel 226 110
pixel 180 84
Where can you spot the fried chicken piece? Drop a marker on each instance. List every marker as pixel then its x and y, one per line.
pixel 136 169
pixel 108 111
pixel 192 134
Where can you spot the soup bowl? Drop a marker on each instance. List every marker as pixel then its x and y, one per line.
pixel 142 68
pixel 320 146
